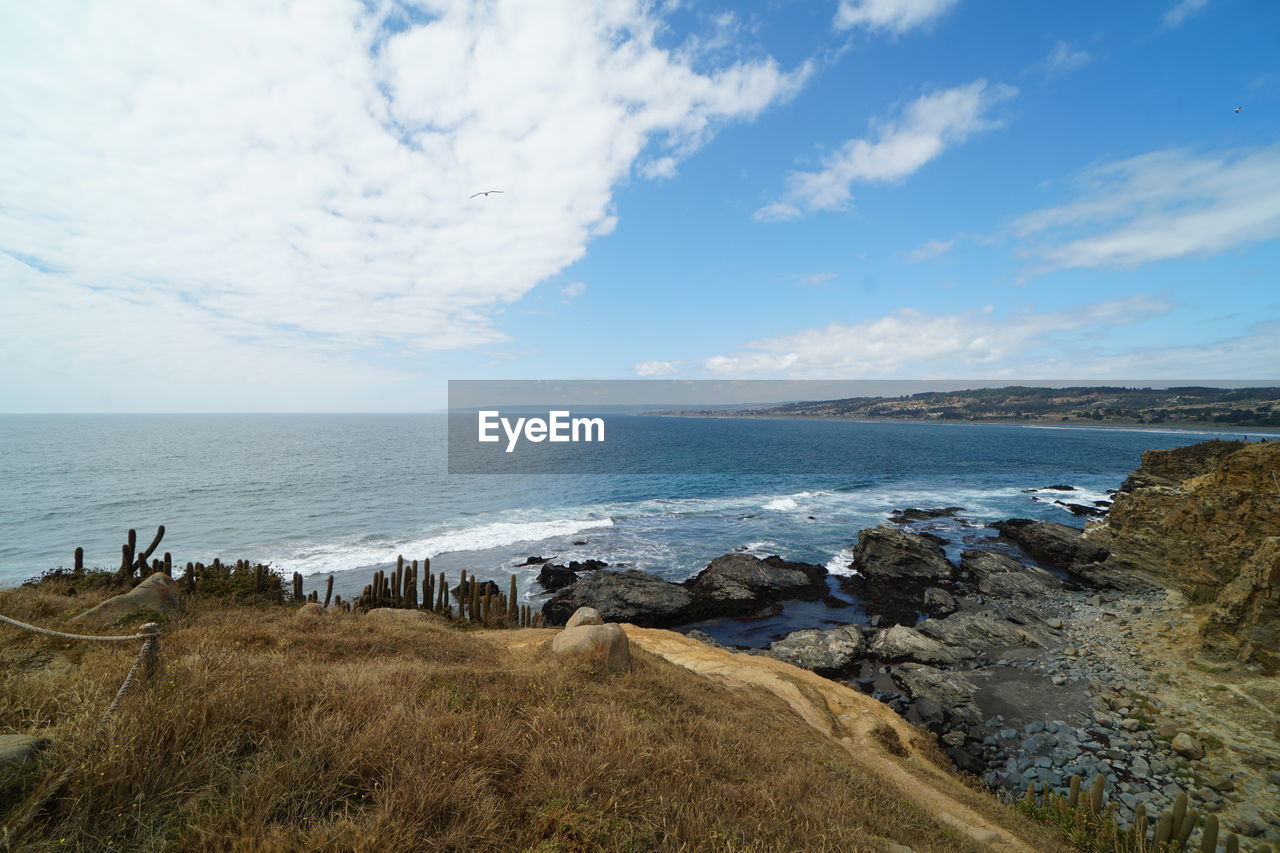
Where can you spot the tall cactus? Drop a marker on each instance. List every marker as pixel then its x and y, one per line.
pixel 79 560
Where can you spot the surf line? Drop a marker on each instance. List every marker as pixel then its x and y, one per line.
pixel 559 425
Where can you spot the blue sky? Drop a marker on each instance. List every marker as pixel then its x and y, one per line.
pixel 265 207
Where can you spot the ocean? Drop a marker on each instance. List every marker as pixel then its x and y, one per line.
pixel 345 494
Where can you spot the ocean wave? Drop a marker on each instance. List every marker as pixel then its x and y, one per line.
pixel 332 557
pixel 839 563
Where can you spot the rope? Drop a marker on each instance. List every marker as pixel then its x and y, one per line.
pixel 51 633
pixel 144 656
pixel 149 634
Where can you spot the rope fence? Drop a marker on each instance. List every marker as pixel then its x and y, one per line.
pixel 144 664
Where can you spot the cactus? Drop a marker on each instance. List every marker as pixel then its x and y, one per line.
pixel 1073 796
pixel 1095 794
pixel 1164 829
pixel 79 560
pixel 1233 843
pixel 146 555
pixel 512 602
pixel 473 600
pixel 328 590
pixel 1209 840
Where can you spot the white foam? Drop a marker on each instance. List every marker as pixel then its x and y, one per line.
pixel 839 563
pixel 787 504
pixel 332 557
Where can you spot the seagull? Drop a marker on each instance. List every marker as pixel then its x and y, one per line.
pixel 1238 109
pixel 486 193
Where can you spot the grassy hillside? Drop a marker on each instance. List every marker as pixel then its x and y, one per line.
pixel 264 731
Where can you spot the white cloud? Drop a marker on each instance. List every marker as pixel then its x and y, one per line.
pixel 927 126
pixel 1182 10
pixel 302 170
pixel 1162 205
pixel 911 342
pixel 573 289
pixel 1063 59
pixel 893 16
pixel 817 279
pixel 931 249
pixel 656 368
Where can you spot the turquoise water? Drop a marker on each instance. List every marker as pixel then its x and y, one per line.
pixel 346 493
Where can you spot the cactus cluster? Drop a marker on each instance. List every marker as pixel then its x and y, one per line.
pixel 1096 821
pixel 471 601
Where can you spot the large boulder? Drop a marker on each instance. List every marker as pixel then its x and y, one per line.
pixel 952 692
pixel 744 579
pixel 630 596
pixel 900 643
pixel 885 552
pixel 584 616
pixel 831 652
pixel 1055 545
pixel 1002 576
pixel 157 594
pixel 606 644
pixel 979 630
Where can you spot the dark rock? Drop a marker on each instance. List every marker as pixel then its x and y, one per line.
pixel 742 579
pixel 938 601
pixel 579 542
pixel 1055 545
pixel 887 552
pixel 951 691
pixel 829 653
pixel 1004 576
pixel 901 643
pixel 486 587
pixel 1080 509
pixel 587 565
pixel 986 630
pixel 553 577
pixel 631 596
pixel 533 561
pixel 901 516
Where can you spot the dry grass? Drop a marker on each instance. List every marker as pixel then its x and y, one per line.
pixel 261 732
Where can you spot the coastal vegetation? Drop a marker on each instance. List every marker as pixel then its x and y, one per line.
pixel 1180 406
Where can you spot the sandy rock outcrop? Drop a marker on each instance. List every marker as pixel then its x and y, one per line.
pixel 158 593
pixel 1200 519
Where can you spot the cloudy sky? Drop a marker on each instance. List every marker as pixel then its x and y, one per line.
pixel 266 206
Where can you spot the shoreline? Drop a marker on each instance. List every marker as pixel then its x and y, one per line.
pixel 1190 427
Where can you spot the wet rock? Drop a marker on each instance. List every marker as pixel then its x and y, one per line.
pixel 951 691
pixel 553 577
pixel 885 552
pixel 745 579
pixel 978 629
pixel 902 516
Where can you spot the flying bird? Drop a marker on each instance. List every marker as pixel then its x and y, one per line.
pixel 490 192
pixel 1238 109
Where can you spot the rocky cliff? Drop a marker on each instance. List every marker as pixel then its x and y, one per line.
pixel 1199 519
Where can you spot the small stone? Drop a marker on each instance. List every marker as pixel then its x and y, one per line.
pixel 1222 783
pixel 1130 725
pixel 1054 623
pixel 1187 746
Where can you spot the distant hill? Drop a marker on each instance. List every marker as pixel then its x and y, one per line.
pixel 1190 405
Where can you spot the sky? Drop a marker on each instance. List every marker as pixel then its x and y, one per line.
pixel 268 205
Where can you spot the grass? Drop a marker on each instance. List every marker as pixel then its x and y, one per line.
pixel 264 732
